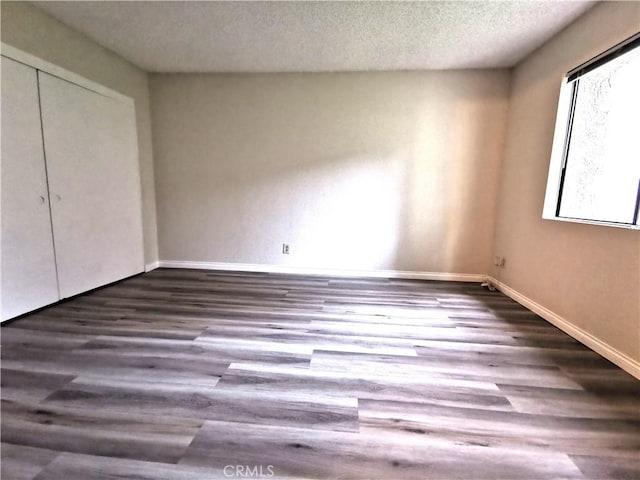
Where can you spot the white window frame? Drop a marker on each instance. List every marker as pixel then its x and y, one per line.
pixel 560 137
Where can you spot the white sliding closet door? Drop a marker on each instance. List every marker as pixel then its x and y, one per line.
pixel 94 184
pixel 28 264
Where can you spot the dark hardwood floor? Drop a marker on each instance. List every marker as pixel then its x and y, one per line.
pixel 182 374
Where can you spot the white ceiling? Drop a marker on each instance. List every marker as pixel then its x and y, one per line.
pixel 273 36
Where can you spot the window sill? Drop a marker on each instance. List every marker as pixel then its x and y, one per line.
pixel 593 222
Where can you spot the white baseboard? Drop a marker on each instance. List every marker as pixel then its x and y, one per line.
pixel 252 267
pixel 151 266
pixel 625 362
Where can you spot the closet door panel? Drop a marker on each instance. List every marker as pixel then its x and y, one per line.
pixel 94 182
pixel 28 262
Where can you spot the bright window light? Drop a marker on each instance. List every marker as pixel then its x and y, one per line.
pixel 594 175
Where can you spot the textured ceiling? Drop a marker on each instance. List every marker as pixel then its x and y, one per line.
pixel 272 36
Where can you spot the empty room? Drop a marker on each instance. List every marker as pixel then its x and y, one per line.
pixel 320 240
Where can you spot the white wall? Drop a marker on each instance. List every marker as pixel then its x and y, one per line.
pixel 588 275
pixel 33 31
pixel 353 170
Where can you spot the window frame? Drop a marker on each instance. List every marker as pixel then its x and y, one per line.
pixel 562 137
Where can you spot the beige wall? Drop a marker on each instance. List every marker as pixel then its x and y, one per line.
pixel 590 275
pixel 353 170
pixel 33 31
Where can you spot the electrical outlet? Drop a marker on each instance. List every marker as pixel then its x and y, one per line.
pixel 498 261
pixel 285 249
pixel 502 262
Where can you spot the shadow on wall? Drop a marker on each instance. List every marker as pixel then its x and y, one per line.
pixel 354 171
pixel 341 213
pixel 397 211
pixel 451 183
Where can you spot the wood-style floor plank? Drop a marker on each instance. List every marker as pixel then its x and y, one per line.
pixel 389 455
pixel 95 431
pixel 193 374
pixel 24 463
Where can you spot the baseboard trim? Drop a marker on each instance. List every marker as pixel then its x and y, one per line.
pixel 151 266
pixel 253 267
pixel 625 362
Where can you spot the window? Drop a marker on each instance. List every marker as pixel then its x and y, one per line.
pixel 594 176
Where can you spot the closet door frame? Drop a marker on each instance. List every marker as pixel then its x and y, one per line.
pixel 52 69
pixel 39 64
